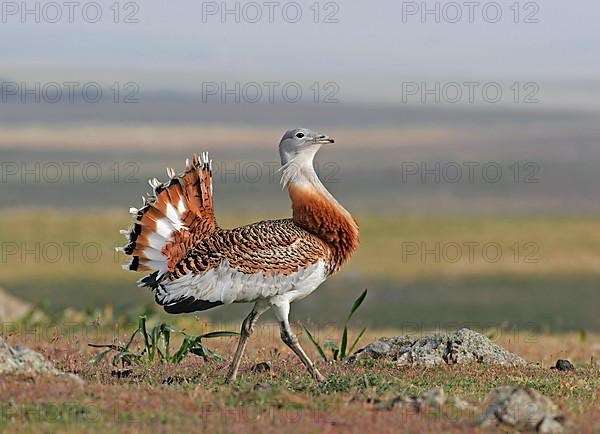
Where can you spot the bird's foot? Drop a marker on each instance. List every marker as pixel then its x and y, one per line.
pixel 231 376
pixel 230 379
pixel 318 376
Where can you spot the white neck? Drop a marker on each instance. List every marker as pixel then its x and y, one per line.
pixel 300 170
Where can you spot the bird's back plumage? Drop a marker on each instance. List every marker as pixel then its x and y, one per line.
pixel 267 247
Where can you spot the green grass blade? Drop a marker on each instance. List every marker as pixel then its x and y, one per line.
pixel 335 352
pixel 134 334
pixel 109 346
pixel 166 332
pixel 357 304
pixel 219 334
pixel 199 351
pixel 183 350
pixel 344 343
pixel 126 357
pixel 213 354
pixel 154 337
pixel 356 341
pixel 96 360
pixel 142 328
pixel 316 344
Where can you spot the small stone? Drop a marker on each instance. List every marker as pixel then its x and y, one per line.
pixel 564 365
pixel 435 397
pixel 523 408
pixel 376 350
pixel 261 367
pixel 550 426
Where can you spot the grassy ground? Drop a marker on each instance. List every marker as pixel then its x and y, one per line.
pixel 192 397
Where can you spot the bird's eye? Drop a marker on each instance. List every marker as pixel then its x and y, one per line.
pixel 300 135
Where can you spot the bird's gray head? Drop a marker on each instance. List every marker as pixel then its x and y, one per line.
pixel 301 142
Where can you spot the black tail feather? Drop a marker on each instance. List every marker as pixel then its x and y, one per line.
pixel 190 304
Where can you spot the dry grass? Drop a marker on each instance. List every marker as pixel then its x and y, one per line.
pixel 192 397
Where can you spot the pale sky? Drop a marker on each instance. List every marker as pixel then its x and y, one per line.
pixel 370 47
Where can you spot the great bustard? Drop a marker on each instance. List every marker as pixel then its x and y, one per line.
pixel 198 265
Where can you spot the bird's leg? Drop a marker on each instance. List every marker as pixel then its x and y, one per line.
pixel 246 331
pixel 289 338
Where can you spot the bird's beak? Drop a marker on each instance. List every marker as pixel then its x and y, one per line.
pixel 323 140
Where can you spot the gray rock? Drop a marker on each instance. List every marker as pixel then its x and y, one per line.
pixel 379 348
pixel 14 309
pixel 523 408
pixel 460 347
pixel 20 359
pixel 435 398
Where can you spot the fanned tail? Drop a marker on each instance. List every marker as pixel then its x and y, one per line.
pixel 179 213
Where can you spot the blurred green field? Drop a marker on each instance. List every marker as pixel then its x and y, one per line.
pixel 537 273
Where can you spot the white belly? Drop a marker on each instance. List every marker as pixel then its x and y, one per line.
pixel 228 285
